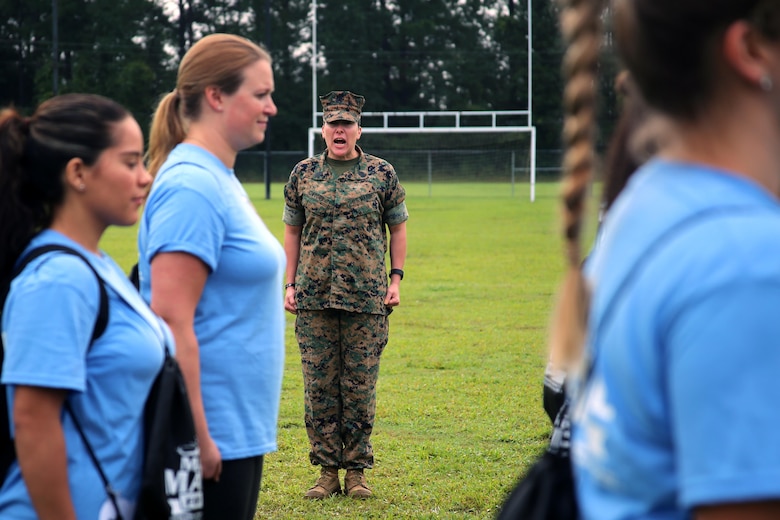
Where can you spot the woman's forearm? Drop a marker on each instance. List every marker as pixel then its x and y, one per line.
pixel 40 449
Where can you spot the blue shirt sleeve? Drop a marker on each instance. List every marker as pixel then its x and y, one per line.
pixel 183 217
pixel 48 322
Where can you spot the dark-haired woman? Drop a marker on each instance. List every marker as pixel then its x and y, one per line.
pixel 68 172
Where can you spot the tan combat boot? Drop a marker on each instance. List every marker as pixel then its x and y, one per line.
pixel 327 485
pixel 355 484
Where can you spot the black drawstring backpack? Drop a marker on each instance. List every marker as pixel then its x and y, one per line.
pixel 546 492
pixel 172 483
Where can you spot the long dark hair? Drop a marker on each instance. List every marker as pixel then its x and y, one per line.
pixel 631 143
pixel 33 154
pixel 669 46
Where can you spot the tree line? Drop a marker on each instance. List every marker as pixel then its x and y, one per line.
pixel 402 55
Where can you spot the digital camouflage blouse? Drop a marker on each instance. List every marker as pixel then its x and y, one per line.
pixel 343 240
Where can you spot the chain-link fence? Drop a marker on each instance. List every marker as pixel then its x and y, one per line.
pixel 421 165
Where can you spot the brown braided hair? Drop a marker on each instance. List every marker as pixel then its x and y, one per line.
pixel 581 29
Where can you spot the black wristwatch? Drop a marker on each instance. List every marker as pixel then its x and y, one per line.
pixel 399 272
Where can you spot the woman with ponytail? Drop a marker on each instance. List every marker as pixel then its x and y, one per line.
pixel 211 268
pixel 68 172
pixel 631 143
pixel 675 411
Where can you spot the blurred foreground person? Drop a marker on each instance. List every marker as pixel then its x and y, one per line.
pixel 675 412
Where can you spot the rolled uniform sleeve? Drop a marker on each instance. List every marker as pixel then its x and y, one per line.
pixel 293 216
pixel 396 215
pixel 395 211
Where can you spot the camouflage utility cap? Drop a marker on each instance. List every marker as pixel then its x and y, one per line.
pixel 341 105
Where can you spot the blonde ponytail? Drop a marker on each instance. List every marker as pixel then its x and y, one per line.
pixel 166 132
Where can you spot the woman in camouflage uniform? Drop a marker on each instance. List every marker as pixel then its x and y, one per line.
pixel 337 205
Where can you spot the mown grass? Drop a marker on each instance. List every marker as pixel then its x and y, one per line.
pixel 459 413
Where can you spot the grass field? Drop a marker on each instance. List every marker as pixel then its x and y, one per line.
pixel 459 413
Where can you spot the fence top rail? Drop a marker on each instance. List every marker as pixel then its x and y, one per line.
pixel 423 118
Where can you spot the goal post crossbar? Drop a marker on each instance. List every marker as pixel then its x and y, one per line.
pixel 531 130
pixel 458 118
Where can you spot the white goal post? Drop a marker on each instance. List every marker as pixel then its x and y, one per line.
pixel 464 122
pixel 459 125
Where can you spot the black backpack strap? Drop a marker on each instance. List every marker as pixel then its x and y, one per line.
pixel 135 277
pixel 102 318
pixel 110 491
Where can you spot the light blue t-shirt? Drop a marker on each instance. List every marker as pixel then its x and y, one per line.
pixel 48 321
pixel 197 206
pixel 681 409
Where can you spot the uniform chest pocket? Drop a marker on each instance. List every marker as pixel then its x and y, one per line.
pixel 362 205
pixel 315 203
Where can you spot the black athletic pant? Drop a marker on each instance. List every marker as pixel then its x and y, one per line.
pixel 234 497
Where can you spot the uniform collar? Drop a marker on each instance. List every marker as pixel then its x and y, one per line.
pixel 361 155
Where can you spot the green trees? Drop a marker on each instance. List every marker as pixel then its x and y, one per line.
pixel 400 54
pixel 113 48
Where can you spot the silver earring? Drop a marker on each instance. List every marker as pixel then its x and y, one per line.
pixel 82 187
pixel 766 83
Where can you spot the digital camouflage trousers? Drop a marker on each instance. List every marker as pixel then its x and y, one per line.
pixel 340 354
